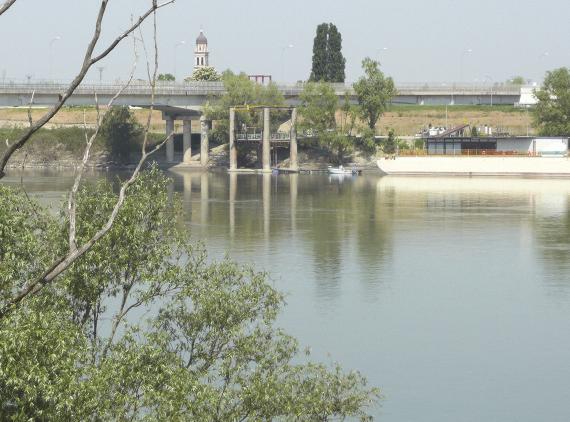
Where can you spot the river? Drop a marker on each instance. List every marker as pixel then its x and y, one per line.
pixel 451 294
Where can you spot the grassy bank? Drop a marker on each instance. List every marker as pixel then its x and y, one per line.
pixel 407 120
pixel 61 145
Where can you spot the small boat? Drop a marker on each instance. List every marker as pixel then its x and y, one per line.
pixel 340 170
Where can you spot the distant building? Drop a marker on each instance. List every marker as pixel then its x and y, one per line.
pixel 455 142
pixel 201 53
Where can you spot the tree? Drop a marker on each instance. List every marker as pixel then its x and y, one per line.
pixel 121 132
pixel 89 60
pixel 241 91
pixel 552 112
pixel 166 77
pixel 328 61
pixel 204 74
pixel 206 347
pixel 516 80
pixel 320 54
pixel 391 143
pixel 336 61
pixel 374 92
pixel 319 105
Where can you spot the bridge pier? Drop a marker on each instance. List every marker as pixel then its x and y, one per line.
pixel 233 146
pixel 204 141
pixel 293 164
pixel 266 145
pixel 170 141
pixel 187 141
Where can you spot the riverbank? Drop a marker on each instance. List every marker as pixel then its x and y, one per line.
pixel 406 120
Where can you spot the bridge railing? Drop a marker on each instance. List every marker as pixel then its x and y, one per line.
pixel 140 87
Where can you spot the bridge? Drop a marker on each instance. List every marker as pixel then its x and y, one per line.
pixel 195 94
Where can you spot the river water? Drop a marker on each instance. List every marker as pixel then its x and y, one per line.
pixel 451 294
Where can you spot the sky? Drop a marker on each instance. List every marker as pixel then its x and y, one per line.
pixel 416 41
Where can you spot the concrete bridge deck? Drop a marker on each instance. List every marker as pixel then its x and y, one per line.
pixel 195 94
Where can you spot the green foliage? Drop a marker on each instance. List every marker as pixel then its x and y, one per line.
pixel 121 132
pixel 328 61
pixel 320 54
pixel 49 144
pixel 516 80
pixel 374 92
pixel 146 327
pixel 168 77
pixel 204 74
pixel 390 144
pixel 242 92
pixel 336 61
pixel 552 112
pixel 319 105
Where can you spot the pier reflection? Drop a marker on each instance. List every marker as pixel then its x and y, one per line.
pixel 356 227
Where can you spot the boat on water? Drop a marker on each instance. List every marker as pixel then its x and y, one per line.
pixel 477 166
pixel 341 170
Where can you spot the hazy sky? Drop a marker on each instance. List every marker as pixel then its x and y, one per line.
pixel 415 40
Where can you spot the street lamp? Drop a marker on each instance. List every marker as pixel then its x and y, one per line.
pixel 54 39
pixel 283 60
pixel 380 51
pixel 488 78
pixel 178 44
pixel 463 54
pixel 540 58
pixel 100 69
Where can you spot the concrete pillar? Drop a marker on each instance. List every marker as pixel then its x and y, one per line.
pixel 233 194
pixel 233 146
pixel 266 195
pixel 187 141
pixel 266 145
pixel 170 141
pixel 204 141
pixel 293 164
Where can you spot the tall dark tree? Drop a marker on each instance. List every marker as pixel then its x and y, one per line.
pixel 336 61
pixel 328 61
pixel 320 54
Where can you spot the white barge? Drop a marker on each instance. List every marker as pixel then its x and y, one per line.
pixel 477 166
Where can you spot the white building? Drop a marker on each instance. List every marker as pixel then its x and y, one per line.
pixel 201 53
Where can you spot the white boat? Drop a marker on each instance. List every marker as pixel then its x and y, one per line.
pixel 477 166
pixel 340 170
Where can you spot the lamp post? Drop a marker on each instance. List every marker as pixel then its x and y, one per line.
pixel 488 78
pixel 542 57
pixel 379 53
pixel 463 54
pixel 54 39
pixel 283 60
pixel 100 69
pixel 178 44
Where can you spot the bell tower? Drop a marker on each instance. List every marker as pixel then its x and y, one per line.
pixel 201 53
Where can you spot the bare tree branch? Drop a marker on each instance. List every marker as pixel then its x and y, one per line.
pixel 72 205
pixel 75 252
pixel 6 6
pixel 30 109
pixel 88 62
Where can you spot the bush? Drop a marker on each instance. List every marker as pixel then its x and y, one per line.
pixel 121 133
